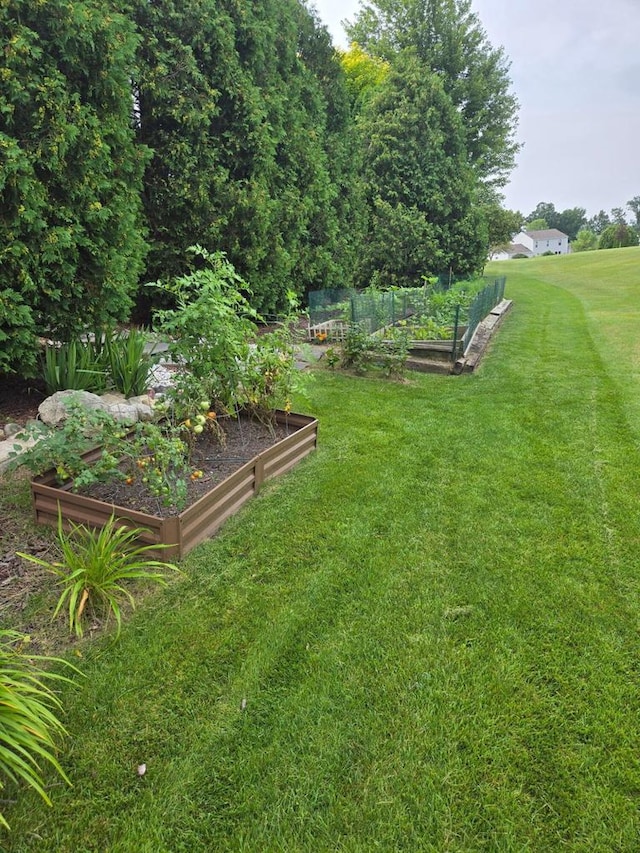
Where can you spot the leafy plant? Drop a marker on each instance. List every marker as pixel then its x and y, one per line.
pixel 361 352
pixel 75 365
pixel 332 358
pixel 61 448
pixel 269 376
pixel 28 722
pixel 129 363
pixel 96 565
pixel 357 348
pixel 159 457
pixel 211 325
pixel 393 356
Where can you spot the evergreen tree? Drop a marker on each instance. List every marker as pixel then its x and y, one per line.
pixel 241 104
pixel 70 174
pixel 420 186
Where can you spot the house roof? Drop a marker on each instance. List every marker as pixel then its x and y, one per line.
pixel 518 249
pixel 546 234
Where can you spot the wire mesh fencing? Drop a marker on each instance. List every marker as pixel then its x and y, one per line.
pixel 437 311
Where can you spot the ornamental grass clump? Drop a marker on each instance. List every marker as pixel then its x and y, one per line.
pixel 29 726
pixel 94 568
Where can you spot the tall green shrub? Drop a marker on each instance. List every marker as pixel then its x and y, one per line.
pixel 420 186
pixel 71 245
pixel 244 107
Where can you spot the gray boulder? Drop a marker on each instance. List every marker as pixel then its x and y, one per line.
pixel 54 409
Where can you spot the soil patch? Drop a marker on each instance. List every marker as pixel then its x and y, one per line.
pixel 245 439
pixel 19 399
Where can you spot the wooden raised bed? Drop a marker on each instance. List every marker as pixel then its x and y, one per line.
pixel 198 521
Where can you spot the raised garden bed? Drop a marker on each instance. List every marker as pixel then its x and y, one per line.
pixel 199 521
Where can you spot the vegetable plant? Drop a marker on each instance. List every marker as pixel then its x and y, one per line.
pixel 210 326
pixel 61 448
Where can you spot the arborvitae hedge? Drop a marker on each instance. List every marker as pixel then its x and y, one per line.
pixel 71 244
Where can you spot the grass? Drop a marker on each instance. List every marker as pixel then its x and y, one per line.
pixel 425 638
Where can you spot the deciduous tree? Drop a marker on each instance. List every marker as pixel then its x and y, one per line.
pixel 618 236
pixel 586 240
pixel 634 206
pixel 448 39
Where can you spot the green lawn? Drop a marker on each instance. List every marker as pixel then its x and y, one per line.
pixel 423 639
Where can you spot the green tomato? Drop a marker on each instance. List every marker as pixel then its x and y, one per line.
pixel 198 428
pixel 204 405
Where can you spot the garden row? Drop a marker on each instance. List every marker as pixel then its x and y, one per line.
pixel 437 311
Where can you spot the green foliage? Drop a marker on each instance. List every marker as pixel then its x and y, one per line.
pixel 634 206
pixel 95 567
pixel 210 326
pixel 247 114
pixel 448 39
pixel 618 236
pixel 502 224
pixel 70 179
pixel 77 365
pixel 129 363
pixel 599 222
pixel 213 331
pixel 361 352
pixel 29 726
pixel 18 340
pixel 586 241
pixel 269 377
pixel 61 448
pixel 364 74
pixel 420 186
pixel 157 454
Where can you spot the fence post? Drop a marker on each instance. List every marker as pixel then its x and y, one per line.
pixel 455 334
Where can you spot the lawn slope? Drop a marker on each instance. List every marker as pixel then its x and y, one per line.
pixel 424 638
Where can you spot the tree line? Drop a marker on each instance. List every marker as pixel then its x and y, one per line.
pixel 130 131
pixel 602 231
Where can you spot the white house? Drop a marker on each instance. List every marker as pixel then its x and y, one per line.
pixel 542 242
pixel 532 243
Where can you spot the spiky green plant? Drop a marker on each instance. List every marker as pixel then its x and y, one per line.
pixel 28 722
pixel 94 567
pixel 129 363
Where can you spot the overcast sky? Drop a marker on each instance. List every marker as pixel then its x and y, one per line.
pixel 575 67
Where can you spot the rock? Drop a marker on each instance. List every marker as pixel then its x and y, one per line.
pixel 113 398
pixel 143 406
pixel 123 412
pixel 53 410
pixel 12 429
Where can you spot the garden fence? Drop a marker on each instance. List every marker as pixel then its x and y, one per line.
pixel 332 311
pixel 483 303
